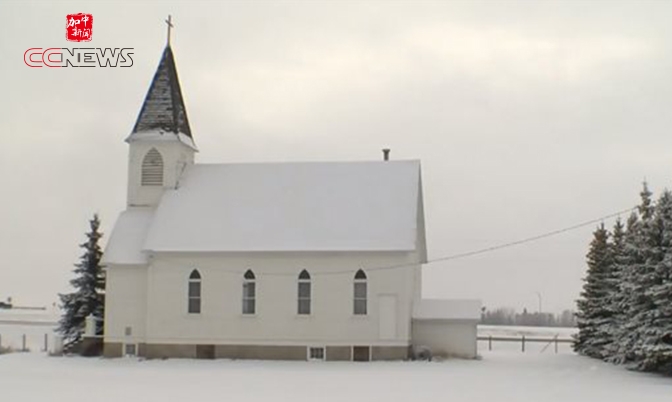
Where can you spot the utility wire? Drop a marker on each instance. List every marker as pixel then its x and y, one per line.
pixel 465 254
pixel 531 239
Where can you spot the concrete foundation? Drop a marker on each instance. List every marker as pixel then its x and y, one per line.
pixel 339 353
pixel 389 353
pixel 112 349
pixel 258 352
pixel 252 352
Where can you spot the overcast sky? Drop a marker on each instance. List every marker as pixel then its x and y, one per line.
pixel 527 117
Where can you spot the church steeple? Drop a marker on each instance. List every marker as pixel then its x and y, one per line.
pixel 163 110
pixel 161 147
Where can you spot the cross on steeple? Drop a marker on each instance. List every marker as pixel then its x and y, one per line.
pixel 170 25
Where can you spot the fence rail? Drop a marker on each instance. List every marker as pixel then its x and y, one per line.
pixel 555 340
pixel 29 323
pixel 25 343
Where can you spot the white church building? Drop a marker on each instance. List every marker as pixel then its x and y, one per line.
pixel 300 261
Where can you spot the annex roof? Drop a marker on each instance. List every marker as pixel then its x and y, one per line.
pixel 447 309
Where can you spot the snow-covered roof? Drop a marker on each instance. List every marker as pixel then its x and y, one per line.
pixel 332 206
pixel 128 236
pixel 447 309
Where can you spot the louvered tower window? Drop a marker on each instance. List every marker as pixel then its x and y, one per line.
pixel 152 169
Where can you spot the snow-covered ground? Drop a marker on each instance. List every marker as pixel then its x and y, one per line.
pixel 499 376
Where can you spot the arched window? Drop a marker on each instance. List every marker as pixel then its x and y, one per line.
pixel 194 292
pixel 359 293
pixel 152 169
pixel 304 293
pixel 249 292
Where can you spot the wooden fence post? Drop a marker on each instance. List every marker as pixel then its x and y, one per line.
pixel 46 343
pixel 23 343
pixel 523 343
pixel 556 344
pixel 490 342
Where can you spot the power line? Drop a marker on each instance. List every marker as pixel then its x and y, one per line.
pixel 464 254
pixel 531 239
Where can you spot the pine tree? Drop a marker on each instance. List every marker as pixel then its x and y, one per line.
pixel 593 312
pixel 89 284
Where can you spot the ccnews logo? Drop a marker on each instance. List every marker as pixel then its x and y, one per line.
pixel 78 57
pixel 78 28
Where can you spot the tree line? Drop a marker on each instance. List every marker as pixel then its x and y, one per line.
pixel 625 308
pixel 508 316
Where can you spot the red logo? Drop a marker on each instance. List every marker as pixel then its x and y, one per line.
pixel 79 27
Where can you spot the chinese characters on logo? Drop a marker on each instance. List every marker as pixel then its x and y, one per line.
pixel 79 27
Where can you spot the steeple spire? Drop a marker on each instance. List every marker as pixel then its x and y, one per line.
pixel 163 109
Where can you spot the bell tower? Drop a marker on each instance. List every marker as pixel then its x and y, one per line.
pixel 161 146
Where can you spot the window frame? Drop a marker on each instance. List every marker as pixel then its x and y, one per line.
pixel 125 347
pixel 249 281
pixel 360 280
pixel 309 354
pixel 195 278
pixel 305 282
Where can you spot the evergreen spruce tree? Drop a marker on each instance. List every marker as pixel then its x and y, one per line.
pixel 614 318
pixel 653 349
pixel 633 299
pixel 649 242
pixel 593 309
pixel 89 284
pixel 625 256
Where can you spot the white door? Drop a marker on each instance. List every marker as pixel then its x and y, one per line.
pixel 387 317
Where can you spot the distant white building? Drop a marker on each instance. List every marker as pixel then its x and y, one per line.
pixel 268 260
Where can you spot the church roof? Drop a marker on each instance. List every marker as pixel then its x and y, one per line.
pixel 128 237
pixel 163 109
pixel 335 206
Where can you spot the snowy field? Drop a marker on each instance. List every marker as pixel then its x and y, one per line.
pixel 499 376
